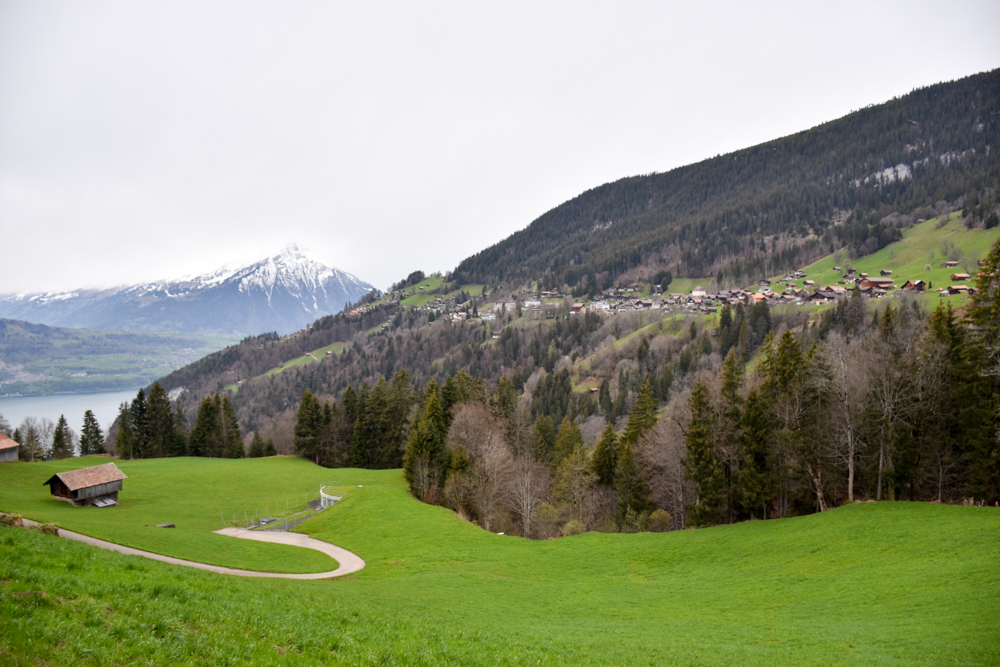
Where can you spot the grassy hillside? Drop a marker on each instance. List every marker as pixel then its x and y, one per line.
pixel 192 493
pixel 37 359
pixel 875 583
pixel 907 258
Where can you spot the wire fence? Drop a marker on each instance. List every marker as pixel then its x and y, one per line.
pixel 282 513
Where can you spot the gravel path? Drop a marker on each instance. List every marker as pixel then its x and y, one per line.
pixel 347 561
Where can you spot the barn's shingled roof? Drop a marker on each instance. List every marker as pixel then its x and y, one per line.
pixel 81 479
pixel 7 443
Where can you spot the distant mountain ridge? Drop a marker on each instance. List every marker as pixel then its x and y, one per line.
pixel 280 293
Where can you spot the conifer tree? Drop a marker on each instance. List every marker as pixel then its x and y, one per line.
pixel 91 436
pixel 702 464
pixel 125 438
pixel 308 425
pixel 159 422
pixel 544 439
pixel 424 461
pixel 755 481
pixel 62 440
pixel 256 446
pixel 605 459
pixel 643 416
pixel 140 433
pixel 633 506
pixel 179 446
pixel 206 436
pixel 568 439
pixel 269 448
pixel 604 399
pixel 231 438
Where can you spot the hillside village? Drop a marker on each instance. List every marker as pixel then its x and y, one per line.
pixel 793 288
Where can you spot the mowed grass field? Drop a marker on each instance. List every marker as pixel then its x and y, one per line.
pixel 871 583
pixel 192 493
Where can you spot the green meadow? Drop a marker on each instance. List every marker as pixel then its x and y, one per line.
pixel 195 494
pixel 907 258
pixel 870 583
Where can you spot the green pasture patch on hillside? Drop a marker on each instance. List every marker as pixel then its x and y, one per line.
pixel 193 493
pixel 336 348
pixel 872 583
pixel 308 358
pixel 685 285
pixel 907 257
pixel 297 361
pixel 415 295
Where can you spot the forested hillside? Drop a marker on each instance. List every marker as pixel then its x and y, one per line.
pixel 772 207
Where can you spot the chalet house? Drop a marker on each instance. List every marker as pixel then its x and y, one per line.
pixel 960 276
pixel 915 285
pixel 809 283
pixel 863 275
pixel 879 283
pixel 764 283
pixel 836 268
pixel 698 291
pixel 820 298
pixel 981 262
pixel 8 449
pixel 96 486
pixel 950 265
pixel 885 272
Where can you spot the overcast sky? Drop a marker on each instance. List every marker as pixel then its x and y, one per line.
pixel 157 139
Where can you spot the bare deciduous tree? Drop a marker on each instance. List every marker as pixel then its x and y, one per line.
pixel 661 462
pixel 848 384
pixel 529 485
pixel 476 431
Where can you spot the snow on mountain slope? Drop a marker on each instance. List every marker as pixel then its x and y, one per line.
pixel 280 293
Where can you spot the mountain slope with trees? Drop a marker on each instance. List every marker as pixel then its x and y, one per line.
pixel 772 207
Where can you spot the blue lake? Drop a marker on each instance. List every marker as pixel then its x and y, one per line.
pixel 104 404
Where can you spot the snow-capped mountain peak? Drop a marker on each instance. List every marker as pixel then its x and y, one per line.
pixel 280 292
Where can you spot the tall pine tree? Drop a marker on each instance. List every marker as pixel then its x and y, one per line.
pixel 91 436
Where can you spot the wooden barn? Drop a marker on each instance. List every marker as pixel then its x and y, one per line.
pixel 8 449
pixel 97 486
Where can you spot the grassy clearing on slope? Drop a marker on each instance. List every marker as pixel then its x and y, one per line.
pixel 920 245
pixel 873 583
pixel 308 358
pixel 192 493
